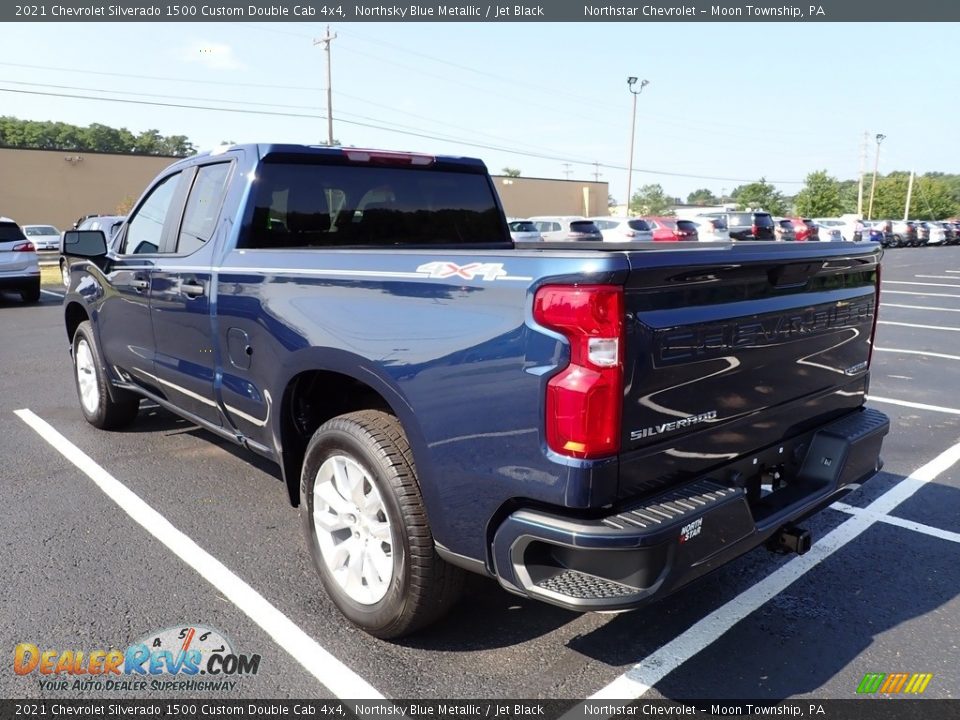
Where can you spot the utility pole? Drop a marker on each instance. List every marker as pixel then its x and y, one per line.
pixel 873 186
pixel 631 81
pixel 906 209
pixel 566 169
pixel 596 172
pixel 863 165
pixel 326 39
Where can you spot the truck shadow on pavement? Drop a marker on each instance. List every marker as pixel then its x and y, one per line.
pixel 818 636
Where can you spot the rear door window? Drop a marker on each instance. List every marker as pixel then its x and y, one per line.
pixel 740 219
pixel 686 226
pixel 641 225
pixel 203 207
pixel 10 232
pixel 762 220
pixel 583 226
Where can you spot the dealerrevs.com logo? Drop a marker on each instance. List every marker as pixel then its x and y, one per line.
pixel 188 658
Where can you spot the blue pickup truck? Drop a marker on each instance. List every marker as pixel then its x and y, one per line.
pixel 594 425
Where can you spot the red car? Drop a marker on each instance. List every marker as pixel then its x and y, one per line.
pixel 670 229
pixel 806 229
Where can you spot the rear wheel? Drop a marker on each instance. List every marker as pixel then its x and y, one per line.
pixel 31 293
pixel 367 530
pixel 96 404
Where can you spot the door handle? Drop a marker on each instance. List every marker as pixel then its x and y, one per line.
pixel 192 289
pixel 139 284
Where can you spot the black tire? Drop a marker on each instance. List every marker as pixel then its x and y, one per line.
pixel 422 586
pixel 105 413
pixel 31 293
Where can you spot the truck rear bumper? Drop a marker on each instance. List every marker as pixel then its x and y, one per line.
pixel 651 548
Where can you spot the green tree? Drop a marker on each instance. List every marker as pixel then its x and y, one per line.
pixel 820 196
pixel 611 201
pixel 703 196
pixel 46 135
pixel 651 200
pixel 510 172
pixel 760 195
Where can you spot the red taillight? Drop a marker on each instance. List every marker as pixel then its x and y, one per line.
pixel 876 313
pixel 24 247
pixel 584 400
pixel 754 230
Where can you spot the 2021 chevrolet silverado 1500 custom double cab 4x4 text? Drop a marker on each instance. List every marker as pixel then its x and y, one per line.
pixel 594 425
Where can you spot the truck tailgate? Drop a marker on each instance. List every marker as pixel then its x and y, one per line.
pixel 729 353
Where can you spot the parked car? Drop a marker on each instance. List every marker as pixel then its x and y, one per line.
pixel 783 230
pixel 956 232
pixel 623 229
pixel 554 420
pixel 19 265
pixel 747 225
pixel 565 228
pixel 930 232
pixel 872 233
pixel 886 228
pixel 524 231
pixel 671 229
pixel 806 229
pixel 711 229
pixel 108 224
pixel 904 233
pixel 828 233
pixel 43 237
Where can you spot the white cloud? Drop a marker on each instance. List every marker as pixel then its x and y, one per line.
pixel 216 56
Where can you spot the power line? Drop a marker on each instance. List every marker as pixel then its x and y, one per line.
pixel 461 141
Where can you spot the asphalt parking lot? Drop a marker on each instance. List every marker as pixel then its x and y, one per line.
pixel 878 592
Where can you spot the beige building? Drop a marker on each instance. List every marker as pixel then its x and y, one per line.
pixel 525 197
pixel 58 186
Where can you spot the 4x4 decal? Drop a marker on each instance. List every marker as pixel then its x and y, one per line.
pixel 441 269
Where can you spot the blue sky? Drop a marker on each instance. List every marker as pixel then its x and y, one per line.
pixel 730 101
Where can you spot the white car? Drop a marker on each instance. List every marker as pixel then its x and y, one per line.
pixel 846 228
pixel 711 228
pixel 566 227
pixel 19 266
pixel 43 237
pixel 623 229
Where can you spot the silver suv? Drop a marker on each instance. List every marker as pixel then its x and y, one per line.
pixel 623 229
pixel 19 267
pixel 566 227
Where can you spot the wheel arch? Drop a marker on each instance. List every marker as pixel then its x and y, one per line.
pixel 315 392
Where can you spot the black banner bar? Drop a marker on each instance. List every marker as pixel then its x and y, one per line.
pixel 878 708
pixel 856 11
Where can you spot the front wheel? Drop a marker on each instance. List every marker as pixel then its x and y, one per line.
pixel 97 406
pixel 367 529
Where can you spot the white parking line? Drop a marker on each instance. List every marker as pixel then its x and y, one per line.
pixel 914 325
pixel 884 293
pixel 656 666
pixel 907 282
pixel 910 404
pixel 920 307
pixel 917 352
pixel 899 522
pixel 938 277
pixel 333 674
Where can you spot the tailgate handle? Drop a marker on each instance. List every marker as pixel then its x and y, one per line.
pixel 793 275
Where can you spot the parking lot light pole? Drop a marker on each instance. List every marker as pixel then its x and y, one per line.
pixel 873 185
pixel 631 81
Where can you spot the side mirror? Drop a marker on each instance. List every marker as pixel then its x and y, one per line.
pixel 84 243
